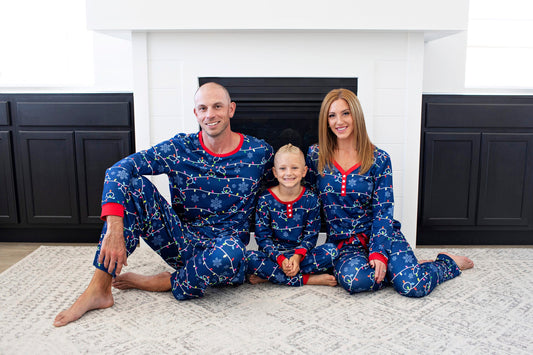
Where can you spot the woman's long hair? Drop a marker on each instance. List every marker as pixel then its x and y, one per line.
pixel 327 140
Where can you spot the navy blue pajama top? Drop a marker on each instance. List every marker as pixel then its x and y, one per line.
pixel 215 194
pixel 282 227
pixel 356 204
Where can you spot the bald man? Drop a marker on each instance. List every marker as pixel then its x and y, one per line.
pixel 214 177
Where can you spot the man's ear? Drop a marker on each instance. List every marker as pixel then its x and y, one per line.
pixel 232 107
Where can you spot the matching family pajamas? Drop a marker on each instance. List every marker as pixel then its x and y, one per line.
pixel 359 213
pixel 283 229
pixel 203 232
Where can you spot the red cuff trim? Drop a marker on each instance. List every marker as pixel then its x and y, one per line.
pixel 280 259
pixel 301 251
pixel 378 256
pixel 305 278
pixel 112 209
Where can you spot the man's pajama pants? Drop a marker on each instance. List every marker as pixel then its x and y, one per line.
pixel 318 259
pixel 408 277
pixel 199 263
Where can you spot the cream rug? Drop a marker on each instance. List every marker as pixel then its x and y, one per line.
pixel 487 310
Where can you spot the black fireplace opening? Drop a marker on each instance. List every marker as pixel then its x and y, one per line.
pixel 279 110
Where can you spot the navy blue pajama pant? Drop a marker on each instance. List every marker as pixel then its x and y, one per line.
pixel 317 260
pixel 198 263
pixel 408 277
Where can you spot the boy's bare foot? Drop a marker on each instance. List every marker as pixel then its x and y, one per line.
pixel 254 279
pixel 322 279
pixel 425 261
pixel 96 296
pixel 462 261
pixel 155 283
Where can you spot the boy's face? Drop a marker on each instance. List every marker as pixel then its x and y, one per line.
pixel 289 169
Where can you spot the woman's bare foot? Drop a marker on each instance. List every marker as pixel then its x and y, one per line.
pixel 322 279
pixel 155 283
pixel 462 261
pixel 96 296
pixel 254 279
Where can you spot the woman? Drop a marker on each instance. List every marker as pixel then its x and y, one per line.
pixel 354 181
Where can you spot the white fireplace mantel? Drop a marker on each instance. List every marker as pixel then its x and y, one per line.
pixel 435 18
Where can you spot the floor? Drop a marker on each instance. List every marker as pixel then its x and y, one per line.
pixel 11 253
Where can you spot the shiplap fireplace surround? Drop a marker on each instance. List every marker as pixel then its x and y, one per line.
pixel 379 42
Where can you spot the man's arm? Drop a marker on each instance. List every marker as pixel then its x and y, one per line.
pixel 113 250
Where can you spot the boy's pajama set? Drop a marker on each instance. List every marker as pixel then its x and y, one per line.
pixel 283 229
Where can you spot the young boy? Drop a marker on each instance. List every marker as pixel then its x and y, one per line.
pixel 287 223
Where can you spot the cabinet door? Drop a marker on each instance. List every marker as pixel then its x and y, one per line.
pixel 506 181
pixel 451 163
pixel 49 177
pixel 8 204
pixel 95 152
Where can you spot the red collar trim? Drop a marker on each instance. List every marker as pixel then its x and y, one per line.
pixel 290 202
pixel 337 165
pixel 239 146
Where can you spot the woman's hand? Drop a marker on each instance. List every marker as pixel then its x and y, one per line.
pixel 113 250
pixel 380 270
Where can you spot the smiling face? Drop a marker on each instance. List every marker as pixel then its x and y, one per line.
pixel 289 169
pixel 340 119
pixel 213 109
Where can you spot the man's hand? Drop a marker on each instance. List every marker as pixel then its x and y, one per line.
pixel 113 250
pixel 380 270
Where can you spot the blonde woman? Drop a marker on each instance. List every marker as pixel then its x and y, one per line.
pixel 353 179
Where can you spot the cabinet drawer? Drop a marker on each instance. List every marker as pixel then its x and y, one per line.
pixel 482 115
pixel 71 114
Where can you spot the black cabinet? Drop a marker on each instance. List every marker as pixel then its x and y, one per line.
pixel 476 183
pixel 8 203
pixel 54 153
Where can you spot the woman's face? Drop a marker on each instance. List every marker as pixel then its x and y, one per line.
pixel 340 119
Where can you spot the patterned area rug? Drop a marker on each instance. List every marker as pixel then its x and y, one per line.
pixel 488 309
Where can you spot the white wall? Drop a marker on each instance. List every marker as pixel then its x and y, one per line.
pixel 492 57
pixel 47 57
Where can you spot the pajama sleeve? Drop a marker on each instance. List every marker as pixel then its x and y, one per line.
pixel 312 163
pixel 382 209
pixel 156 160
pixel 263 231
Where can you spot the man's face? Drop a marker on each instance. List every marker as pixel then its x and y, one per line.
pixel 213 110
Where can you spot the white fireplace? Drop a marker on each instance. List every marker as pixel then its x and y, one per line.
pixel 381 44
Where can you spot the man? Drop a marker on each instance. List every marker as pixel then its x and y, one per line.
pixel 214 178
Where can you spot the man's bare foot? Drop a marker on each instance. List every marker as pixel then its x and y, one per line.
pixel 254 279
pixel 462 261
pixel 155 283
pixel 96 296
pixel 322 279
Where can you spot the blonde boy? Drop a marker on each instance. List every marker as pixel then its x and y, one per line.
pixel 286 229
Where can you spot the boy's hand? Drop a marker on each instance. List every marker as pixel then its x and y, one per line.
pixel 286 266
pixel 294 263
